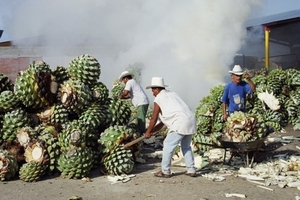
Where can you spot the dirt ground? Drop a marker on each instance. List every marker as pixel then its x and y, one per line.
pixel 145 186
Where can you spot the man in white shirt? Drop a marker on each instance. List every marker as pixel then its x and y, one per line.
pixel 181 122
pixel 138 97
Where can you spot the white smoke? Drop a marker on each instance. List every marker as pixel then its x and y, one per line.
pixel 189 43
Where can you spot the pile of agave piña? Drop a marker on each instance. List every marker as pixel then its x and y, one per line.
pixel 272 107
pixel 64 120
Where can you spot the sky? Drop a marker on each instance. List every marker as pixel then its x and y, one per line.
pixel 271 7
pixel 191 44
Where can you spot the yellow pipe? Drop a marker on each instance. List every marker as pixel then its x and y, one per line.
pixel 267 47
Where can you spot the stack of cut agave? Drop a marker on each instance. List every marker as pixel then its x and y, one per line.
pixel 65 121
pixel 272 107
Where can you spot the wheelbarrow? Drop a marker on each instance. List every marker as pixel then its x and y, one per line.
pixel 243 149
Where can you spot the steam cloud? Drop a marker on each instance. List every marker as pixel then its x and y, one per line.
pixel 189 43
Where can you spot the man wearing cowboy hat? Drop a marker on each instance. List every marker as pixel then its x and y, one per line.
pixel 181 122
pixel 234 94
pixel 138 97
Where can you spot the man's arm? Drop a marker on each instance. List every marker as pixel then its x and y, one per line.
pixel 224 100
pixel 125 94
pixel 224 111
pixel 157 127
pixel 250 82
pixel 252 85
pixel 151 127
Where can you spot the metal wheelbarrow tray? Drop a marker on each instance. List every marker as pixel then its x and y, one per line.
pixel 243 146
pixel 242 149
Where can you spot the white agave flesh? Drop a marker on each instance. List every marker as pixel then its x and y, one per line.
pixel 219 179
pixel 252 119
pixel 264 176
pixel 64 97
pixel 240 126
pixel 209 113
pixel 75 135
pixel 276 172
pixel 244 170
pixel 214 177
pixel 266 188
pixel 23 138
pixel 37 153
pixel 295 158
pixel 294 184
pixel 251 177
pixel 283 161
pixel 292 173
pixel 283 178
pixel 268 182
pixel 34 153
pixel 1 164
pixel 269 99
pixel 282 184
pixel 130 176
pixel 256 182
pixel 112 178
pixel 272 181
pixel 235 195
pixel 53 87
pixel 71 152
pixel 126 180
pixel 96 93
pixel 261 169
pixel 46 114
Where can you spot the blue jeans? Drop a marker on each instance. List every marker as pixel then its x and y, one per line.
pixel 170 143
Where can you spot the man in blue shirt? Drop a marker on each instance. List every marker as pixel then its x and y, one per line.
pixel 234 94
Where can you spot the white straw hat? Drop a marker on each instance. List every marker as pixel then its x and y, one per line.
pixel 157 82
pixel 237 70
pixel 123 74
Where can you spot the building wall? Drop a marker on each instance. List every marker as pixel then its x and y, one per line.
pixel 14 60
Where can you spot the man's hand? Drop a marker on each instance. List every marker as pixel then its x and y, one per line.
pixel 148 135
pixel 247 76
pixel 225 116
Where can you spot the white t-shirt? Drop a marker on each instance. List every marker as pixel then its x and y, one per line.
pixel 137 94
pixel 175 113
